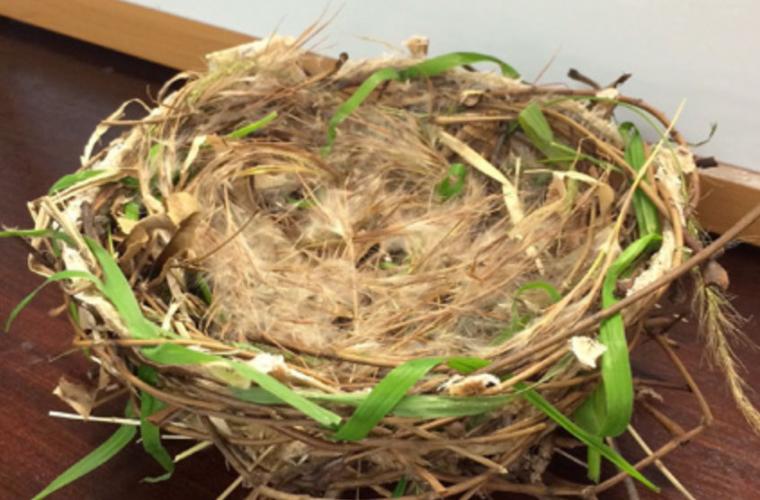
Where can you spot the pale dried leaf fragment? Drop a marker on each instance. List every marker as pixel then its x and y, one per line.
pixel 418 46
pixel 586 350
pixel 511 196
pixel 180 206
pixel 101 129
pixel 77 396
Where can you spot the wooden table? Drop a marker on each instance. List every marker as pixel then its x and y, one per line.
pixel 53 91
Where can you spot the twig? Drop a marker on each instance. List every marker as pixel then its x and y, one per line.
pixel 658 463
pixel 229 489
pixel 192 450
pixel 105 420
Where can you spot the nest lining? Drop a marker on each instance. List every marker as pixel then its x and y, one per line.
pixel 346 264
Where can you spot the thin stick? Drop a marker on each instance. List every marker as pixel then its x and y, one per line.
pixel 658 463
pixel 232 487
pixel 576 461
pixel 104 420
pixel 192 450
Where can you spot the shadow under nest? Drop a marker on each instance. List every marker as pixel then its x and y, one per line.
pixel 452 240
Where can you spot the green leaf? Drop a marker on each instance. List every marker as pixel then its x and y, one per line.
pixel 647 216
pixel 429 68
pixel 420 406
pixel 453 184
pixel 539 132
pixel 520 321
pixel 132 210
pixel 431 407
pixel 400 488
pixel 288 395
pixel 36 233
pixel 130 182
pixel 154 151
pixel 384 397
pixel 149 432
pixel 173 354
pixel 100 455
pixel 544 286
pixel 466 365
pixel 203 289
pixel 59 276
pixel 118 291
pixel 536 127
pixel 69 180
pixel 582 435
pixel 247 130
pixel 608 410
pixel 617 381
pixel 437 65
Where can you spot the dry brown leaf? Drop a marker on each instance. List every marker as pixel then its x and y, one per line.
pixel 180 206
pixel 79 397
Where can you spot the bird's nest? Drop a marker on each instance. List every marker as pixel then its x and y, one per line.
pixel 396 273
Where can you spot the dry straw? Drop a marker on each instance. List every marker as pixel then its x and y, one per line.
pixel 396 276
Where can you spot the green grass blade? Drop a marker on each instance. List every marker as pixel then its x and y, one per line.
pixel 247 130
pixel 36 233
pixel 132 211
pixel 544 286
pixel 520 321
pixel 117 290
pixel 422 406
pixel 429 68
pixel 536 127
pixel 356 99
pixel 172 354
pixel 100 455
pixel 594 464
pixel 288 395
pixel 617 381
pixel 539 132
pixel 384 397
pixel 437 65
pixel 453 184
pixel 431 407
pixel 115 284
pixel 608 410
pixel 582 435
pixel 203 289
pixel 400 488
pixel 69 180
pixel 647 216
pixel 59 276
pixel 149 432
pixel 465 365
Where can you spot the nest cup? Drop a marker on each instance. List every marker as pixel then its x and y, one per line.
pixel 348 279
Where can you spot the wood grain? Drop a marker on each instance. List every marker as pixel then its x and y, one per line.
pixel 53 91
pixel 728 192
pixel 146 33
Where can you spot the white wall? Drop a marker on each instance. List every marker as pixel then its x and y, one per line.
pixel 706 51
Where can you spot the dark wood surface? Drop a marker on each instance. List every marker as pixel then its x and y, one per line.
pixel 53 91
